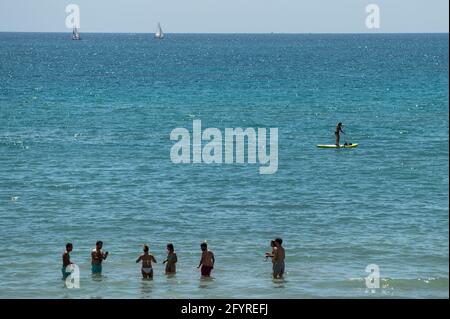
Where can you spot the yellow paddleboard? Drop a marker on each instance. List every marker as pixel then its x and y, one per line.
pixel 334 146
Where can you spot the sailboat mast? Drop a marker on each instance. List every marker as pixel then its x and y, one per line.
pixel 159 33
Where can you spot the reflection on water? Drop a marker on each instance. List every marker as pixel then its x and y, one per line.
pixel 171 279
pixel 97 277
pixel 146 288
pixel 206 282
pixel 279 282
pixel 173 285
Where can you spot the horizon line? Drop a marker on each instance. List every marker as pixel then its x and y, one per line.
pixel 293 33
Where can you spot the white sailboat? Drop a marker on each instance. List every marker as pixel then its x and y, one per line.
pixel 75 34
pixel 159 32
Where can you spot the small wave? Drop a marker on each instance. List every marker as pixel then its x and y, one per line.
pixel 394 283
pixel 415 283
pixel 12 142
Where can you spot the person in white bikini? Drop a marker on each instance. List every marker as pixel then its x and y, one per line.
pixel 147 259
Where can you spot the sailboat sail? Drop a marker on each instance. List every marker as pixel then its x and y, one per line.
pixel 159 33
pixel 75 34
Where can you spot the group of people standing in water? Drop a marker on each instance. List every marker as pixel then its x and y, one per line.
pixel 147 259
pixel 207 259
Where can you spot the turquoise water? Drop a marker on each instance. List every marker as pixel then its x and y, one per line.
pixel 84 156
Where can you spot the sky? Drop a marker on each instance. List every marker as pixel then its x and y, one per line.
pixel 225 16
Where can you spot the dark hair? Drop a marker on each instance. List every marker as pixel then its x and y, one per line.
pixel 170 247
pixel 146 248
pixel 204 245
pixel 69 245
pixel 279 240
pixel 99 243
pixel 339 123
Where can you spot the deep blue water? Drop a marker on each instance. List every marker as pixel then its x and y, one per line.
pixel 84 155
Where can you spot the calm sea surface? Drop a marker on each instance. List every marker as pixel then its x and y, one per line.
pixel 85 156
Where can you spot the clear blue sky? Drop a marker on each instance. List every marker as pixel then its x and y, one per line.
pixel 225 16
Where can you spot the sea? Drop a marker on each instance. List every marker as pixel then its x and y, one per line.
pixel 85 155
